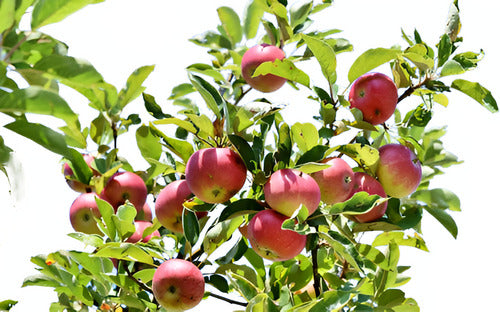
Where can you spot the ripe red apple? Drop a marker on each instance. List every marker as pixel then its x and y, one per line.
pixel 82 213
pixel 178 285
pixel 124 186
pixel 140 226
pixel 169 205
pixel 335 182
pixel 364 182
pixel 375 95
pixel 399 170
pixel 214 175
pixel 144 213
pixel 255 56
pixel 270 241
pixel 70 177
pixel 287 189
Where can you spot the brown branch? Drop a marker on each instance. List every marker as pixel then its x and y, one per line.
pixel 316 277
pixel 141 284
pixel 412 89
pixel 231 301
pixel 15 47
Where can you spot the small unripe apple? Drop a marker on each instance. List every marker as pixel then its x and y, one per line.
pixel 288 189
pixel 335 182
pixel 144 213
pixel 270 241
pixel 140 227
pixel 255 56
pixel 83 212
pixel 70 176
pixel 399 170
pixel 123 186
pixel 214 175
pixel 169 205
pixel 178 285
pixel 364 182
pixel 375 95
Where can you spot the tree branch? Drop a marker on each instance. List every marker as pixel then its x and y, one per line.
pixel 231 301
pixel 412 89
pixel 316 277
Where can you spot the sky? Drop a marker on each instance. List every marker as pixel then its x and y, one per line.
pixel 118 36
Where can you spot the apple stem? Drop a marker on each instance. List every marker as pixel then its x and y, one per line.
pixel 243 304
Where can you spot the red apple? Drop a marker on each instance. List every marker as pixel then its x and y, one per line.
pixel 124 186
pixel 214 175
pixel 375 95
pixel 335 182
pixel 140 227
pixel 169 205
pixel 255 56
pixel 178 285
pixel 83 212
pixel 71 179
pixel 144 213
pixel 364 182
pixel 287 189
pixel 270 241
pixel 399 170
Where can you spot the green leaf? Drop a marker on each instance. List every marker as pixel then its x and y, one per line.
pixel 207 70
pixel 445 219
pixel 152 107
pixel 438 198
pixel 359 203
pixel 364 155
pixel 299 13
pixel 181 90
pixel 371 59
pixel 212 40
pixel 181 148
pixel 391 298
pixel 6 305
pixel 133 87
pixel 52 11
pixel 107 212
pixel 479 93
pixel 148 143
pixel 246 288
pixel 37 100
pixel 191 227
pixel 212 97
pixel 325 55
pixel 453 24
pixel 311 167
pixel 219 233
pixel 253 15
pixel 40 280
pixel 283 68
pixel 305 135
pixel 184 124
pixel 400 239
pixel 246 152
pixel 374 255
pixel 445 48
pixel 452 67
pixel 218 281
pixel 423 62
pixel 231 24
pixel 7 17
pixel 313 155
pixel 125 251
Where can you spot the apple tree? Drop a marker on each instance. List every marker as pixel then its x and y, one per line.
pixel 248 208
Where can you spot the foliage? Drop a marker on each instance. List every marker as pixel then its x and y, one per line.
pixel 346 273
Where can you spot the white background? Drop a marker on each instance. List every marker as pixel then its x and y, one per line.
pixel 118 36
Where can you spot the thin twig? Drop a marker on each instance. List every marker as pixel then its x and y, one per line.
pixel 15 47
pixel 141 284
pixel 243 304
pixel 316 277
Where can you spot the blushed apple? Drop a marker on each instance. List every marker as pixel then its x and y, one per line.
pixel 335 182
pixel 255 56
pixel 145 213
pixel 178 285
pixel 270 241
pixel 287 189
pixel 364 182
pixel 123 186
pixel 214 175
pixel 169 205
pixel 83 212
pixel 140 227
pixel 399 170
pixel 375 95
pixel 71 179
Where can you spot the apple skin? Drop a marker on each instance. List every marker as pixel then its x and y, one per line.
pixel 270 241
pixel 70 177
pixel 255 56
pixel 335 182
pixel 375 95
pixel 287 189
pixel 169 205
pixel 145 213
pixel 364 182
pixel 140 226
pixel 399 170
pixel 215 174
pixel 125 185
pixel 82 213
pixel 178 285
